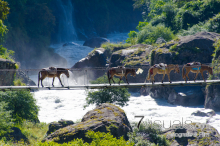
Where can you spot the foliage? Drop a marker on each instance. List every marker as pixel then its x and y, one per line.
pixel 182 17
pixel 192 30
pixel 6 54
pixel 119 96
pixel 22 104
pixel 18 82
pixel 152 130
pixel 3 31
pixel 149 34
pixel 132 37
pixel 216 61
pixel 5 120
pixel 4 9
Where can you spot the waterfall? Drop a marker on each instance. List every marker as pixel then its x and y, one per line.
pixel 65 31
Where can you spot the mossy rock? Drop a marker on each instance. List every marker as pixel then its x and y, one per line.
pixel 104 118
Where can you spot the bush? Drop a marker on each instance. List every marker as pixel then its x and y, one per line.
pixel 22 104
pixel 152 130
pixel 149 34
pixel 119 96
pixel 5 120
pixel 98 139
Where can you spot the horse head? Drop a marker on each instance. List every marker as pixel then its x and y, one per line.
pixel 133 72
pixel 176 67
pixel 210 70
pixel 67 73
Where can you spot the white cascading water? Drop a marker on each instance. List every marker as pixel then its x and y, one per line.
pixel 66 29
pixel 68 104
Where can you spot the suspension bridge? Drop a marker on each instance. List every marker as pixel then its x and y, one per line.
pixel 85 85
pixel 124 85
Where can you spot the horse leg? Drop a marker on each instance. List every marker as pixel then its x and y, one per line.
pixel 120 80
pixel 60 80
pixel 187 74
pixel 202 76
pixel 112 79
pixel 126 79
pixel 196 76
pixel 163 77
pixel 168 74
pixel 53 81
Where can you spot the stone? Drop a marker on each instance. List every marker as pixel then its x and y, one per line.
pixel 104 118
pixel 95 42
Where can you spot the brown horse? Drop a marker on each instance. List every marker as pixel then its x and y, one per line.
pixel 52 72
pixel 196 69
pixel 119 71
pixel 154 70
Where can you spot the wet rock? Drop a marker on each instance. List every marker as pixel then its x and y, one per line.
pixel 95 42
pixel 204 113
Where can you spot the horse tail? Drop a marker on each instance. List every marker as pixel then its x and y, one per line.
pixel 183 72
pixel 150 72
pixel 38 77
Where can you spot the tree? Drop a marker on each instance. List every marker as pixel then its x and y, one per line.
pixel 119 96
pixel 4 10
pixel 22 104
pixel 5 120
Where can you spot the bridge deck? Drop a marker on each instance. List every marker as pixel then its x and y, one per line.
pixel 100 86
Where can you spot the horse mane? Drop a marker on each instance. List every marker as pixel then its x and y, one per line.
pixel 61 69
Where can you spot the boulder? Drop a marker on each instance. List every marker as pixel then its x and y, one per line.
pixel 7 76
pixel 57 125
pixel 24 77
pixel 95 42
pixel 212 99
pixel 192 134
pixel 70 44
pixel 204 113
pixel 104 118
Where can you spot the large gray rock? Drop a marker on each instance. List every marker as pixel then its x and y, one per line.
pixel 213 97
pixel 104 118
pixel 7 76
pixel 193 134
pixel 57 125
pixel 95 42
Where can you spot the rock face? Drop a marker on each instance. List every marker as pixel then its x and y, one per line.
pixel 213 97
pixel 7 77
pixel 95 42
pixel 193 134
pixel 104 118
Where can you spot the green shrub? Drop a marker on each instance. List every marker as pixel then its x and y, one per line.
pixel 119 96
pixel 5 120
pixel 152 130
pixel 149 34
pixel 22 104
pixel 98 139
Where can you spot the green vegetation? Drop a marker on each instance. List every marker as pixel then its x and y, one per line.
pixel 22 104
pixel 175 18
pixel 110 95
pixel 151 130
